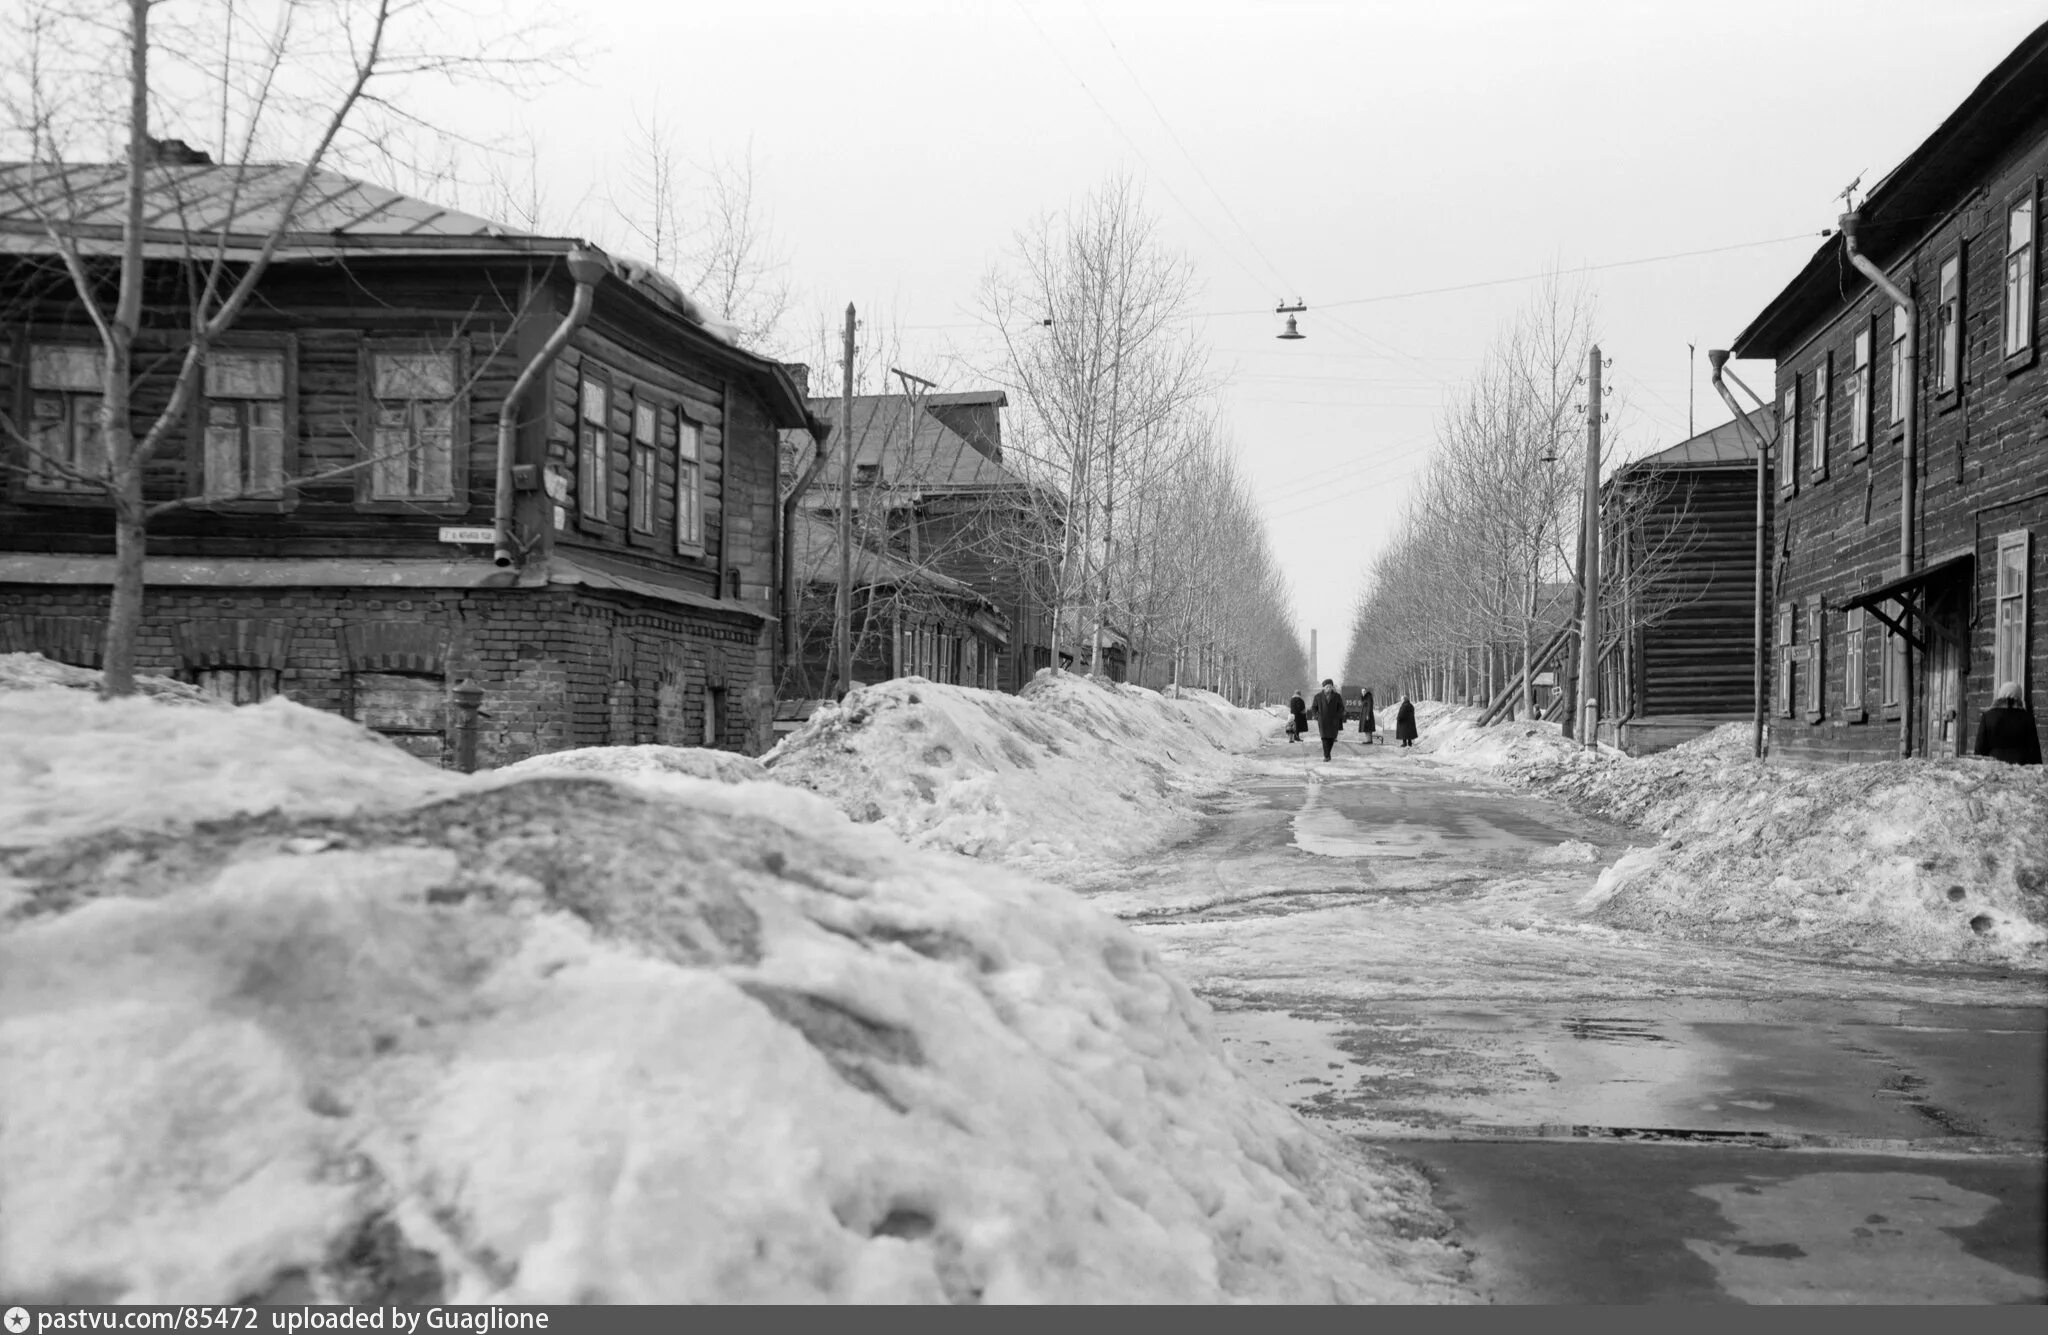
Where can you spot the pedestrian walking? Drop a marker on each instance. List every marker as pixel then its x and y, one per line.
pixel 1297 717
pixel 1366 723
pixel 1404 722
pixel 2006 731
pixel 1328 709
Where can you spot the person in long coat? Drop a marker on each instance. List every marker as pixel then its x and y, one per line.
pixel 1404 722
pixel 1297 717
pixel 1366 724
pixel 2006 730
pixel 1328 708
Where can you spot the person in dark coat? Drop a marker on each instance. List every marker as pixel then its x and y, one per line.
pixel 1297 717
pixel 1404 722
pixel 1366 724
pixel 2006 731
pixel 1328 708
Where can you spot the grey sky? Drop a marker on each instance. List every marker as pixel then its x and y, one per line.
pixel 1359 150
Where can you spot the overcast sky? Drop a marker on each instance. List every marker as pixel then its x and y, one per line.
pixel 1339 153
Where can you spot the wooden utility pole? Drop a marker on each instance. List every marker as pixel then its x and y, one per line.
pixel 1589 564
pixel 842 627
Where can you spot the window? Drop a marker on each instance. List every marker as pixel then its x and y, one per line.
pixel 2009 644
pixel 1823 394
pixel 1892 671
pixel 244 436
pixel 1900 324
pixel 640 503
pixel 1816 639
pixel 689 490
pixel 64 416
pixel 1948 327
pixel 1852 664
pixel 1788 417
pixel 1859 394
pixel 2019 276
pixel 594 452
pixel 412 450
pixel 1784 701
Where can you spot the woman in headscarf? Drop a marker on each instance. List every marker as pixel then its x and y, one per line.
pixel 1297 717
pixel 1404 721
pixel 1366 724
pixel 2006 730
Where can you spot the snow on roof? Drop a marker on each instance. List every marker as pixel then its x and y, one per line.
pixel 571 1039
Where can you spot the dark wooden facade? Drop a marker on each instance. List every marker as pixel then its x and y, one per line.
pixel 646 615
pixel 1891 638
pixel 1679 543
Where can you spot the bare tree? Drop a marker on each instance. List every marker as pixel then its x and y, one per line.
pixel 327 81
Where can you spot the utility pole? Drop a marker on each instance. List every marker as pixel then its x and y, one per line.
pixel 1312 677
pixel 843 612
pixel 1589 563
pixel 1689 378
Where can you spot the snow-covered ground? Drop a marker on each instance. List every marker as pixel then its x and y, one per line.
pixel 1068 773
pixel 1927 860
pixel 287 1015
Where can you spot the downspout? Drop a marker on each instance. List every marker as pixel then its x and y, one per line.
pixel 586 267
pixel 1908 454
pixel 1717 358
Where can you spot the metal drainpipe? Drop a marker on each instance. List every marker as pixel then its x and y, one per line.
pixel 1718 359
pixel 1909 452
pixel 586 267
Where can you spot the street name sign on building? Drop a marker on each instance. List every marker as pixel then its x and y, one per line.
pixel 485 535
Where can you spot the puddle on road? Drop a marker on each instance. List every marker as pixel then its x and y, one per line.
pixel 1856 1238
pixel 1351 820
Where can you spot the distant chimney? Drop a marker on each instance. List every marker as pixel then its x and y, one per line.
pixel 175 153
pixel 800 373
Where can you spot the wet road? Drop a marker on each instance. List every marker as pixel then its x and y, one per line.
pixel 1394 945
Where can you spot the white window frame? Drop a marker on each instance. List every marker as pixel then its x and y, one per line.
pixel 401 429
pixel 1900 324
pixel 1948 325
pixel 1823 395
pixel 593 449
pixel 1788 416
pixel 2016 319
pixel 1860 396
pixel 641 483
pixel 689 487
pixel 1852 663
pixel 1891 668
pixel 1814 696
pixel 2009 621
pixel 64 417
pixel 242 457
pixel 1787 613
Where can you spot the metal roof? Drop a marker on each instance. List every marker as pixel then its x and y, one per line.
pixel 1726 445
pixel 928 456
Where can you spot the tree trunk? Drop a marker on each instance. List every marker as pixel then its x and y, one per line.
pixel 124 607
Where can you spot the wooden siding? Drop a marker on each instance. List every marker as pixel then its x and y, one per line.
pixel 1698 658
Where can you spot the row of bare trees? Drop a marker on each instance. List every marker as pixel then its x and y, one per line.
pixel 1484 570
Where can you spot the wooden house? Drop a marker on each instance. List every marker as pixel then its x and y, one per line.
pixel 931 489
pixel 1912 471
pixel 1678 574
pixel 334 533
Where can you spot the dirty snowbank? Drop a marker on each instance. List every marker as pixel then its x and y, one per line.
pixel 23 672
pixel 1927 860
pixel 570 1039
pixel 630 762
pixel 1070 771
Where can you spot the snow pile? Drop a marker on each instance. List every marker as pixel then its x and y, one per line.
pixel 631 762
pixel 27 672
pixel 1931 860
pixel 1071 770
pixel 565 1039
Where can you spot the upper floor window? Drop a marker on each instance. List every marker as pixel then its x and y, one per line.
pixel 594 453
pixel 413 449
pixel 1859 392
pixel 64 382
pixel 1900 324
pixel 1948 327
pixel 689 489
pixel 1823 393
pixel 640 498
pixel 1788 432
pixel 244 433
pixel 2019 276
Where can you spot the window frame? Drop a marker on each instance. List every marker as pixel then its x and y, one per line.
pixel 690 502
pixel 2020 358
pixel 1900 374
pixel 594 459
pixel 1814 698
pixel 457 501
pixel 1891 675
pixel 643 472
pixel 1823 399
pixel 21 485
pixel 1854 633
pixel 1788 417
pixel 1787 623
pixel 2009 635
pixel 245 341
pixel 1863 388
pixel 1948 328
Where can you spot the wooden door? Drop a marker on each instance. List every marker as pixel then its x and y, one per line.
pixel 409 709
pixel 1944 676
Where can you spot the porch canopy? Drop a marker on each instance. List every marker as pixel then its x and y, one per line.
pixel 1909 587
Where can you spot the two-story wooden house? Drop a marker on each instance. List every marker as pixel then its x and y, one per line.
pixel 1912 469
pixel 361 512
